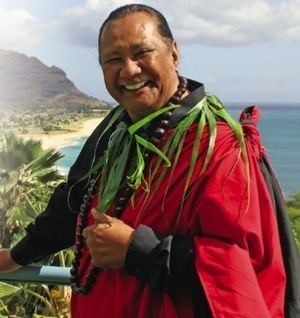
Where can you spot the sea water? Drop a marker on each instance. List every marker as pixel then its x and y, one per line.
pixel 280 131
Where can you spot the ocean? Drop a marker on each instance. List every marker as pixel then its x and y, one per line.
pixel 280 131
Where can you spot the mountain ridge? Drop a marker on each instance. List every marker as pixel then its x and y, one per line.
pixel 26 82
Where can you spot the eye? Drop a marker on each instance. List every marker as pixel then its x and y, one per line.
pixel 114 60
pixel 144 52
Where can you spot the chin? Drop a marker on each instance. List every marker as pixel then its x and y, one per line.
pixel 139 112
pixel 140 106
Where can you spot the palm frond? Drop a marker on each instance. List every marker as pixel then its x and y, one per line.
pixel 8 289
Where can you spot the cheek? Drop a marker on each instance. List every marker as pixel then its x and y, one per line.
pixel 151 66
pixel 109 74
pixel 110 82
pixel 162 70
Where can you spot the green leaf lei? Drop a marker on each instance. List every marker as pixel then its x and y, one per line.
pixel 123 161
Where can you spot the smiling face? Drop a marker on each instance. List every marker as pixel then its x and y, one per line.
pixel 139 65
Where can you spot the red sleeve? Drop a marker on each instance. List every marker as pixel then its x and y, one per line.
pixel 238 255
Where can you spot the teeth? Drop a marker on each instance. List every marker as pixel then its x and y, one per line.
pixel 135 86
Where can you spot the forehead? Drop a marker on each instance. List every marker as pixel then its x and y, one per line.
pixel 132 30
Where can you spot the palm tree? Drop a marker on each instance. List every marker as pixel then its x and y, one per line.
pixel 27 177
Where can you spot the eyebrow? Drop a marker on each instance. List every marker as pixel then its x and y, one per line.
pixel 109 54
pixel 139 45
pixel 135 46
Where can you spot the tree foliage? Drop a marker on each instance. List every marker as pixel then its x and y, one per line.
pixel 28 176
pixel 293 205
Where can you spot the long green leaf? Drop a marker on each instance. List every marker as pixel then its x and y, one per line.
pixel 195 151
pixel 148 145
pixel 135 179
pixel 212 124
pixel 175 143
pixel 114 176
pixel 8 289
pixel 141 123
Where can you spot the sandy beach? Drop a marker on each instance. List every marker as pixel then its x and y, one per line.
pixel 59 140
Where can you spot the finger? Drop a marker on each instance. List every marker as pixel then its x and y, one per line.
pixel 101 226
pixel 101 217
pixel 85 232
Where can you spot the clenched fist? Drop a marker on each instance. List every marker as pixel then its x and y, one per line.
pixel 107 240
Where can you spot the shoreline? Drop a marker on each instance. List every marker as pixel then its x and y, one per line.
pixel 59 140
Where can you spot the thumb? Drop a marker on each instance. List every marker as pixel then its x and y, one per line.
pixel 101 217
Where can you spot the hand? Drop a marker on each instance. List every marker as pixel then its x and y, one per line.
pixel 7 264
pixel 107 240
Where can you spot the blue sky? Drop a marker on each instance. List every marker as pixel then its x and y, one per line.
pixel 243 51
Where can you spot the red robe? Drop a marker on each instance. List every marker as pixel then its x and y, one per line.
pixel 237 249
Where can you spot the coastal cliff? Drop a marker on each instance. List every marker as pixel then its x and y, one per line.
pixel 26 82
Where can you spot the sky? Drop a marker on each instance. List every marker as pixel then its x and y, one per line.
pixel 243 51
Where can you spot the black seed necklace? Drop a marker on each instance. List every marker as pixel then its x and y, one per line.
pixel 158 130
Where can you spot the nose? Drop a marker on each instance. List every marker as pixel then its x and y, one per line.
pixel 130 68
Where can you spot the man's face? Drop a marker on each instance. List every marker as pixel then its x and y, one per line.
pixel 139 66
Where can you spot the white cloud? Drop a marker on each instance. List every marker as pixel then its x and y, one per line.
pixel 18 29
pixel 217 23
pixel 80 25
pixel 234 22
pixel 289 15
pixel 211 23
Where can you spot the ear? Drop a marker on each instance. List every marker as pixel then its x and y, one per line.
pixel 175 55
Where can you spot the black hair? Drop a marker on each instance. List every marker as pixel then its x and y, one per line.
pixel 126 10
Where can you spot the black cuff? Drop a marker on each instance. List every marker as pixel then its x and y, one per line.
pixel 23 254
pixel 34 248
pixel 164 262
pixel 145 246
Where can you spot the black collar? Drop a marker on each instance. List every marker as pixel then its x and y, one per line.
pixel 196 95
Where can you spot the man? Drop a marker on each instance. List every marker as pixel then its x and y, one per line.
pixel 174 218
